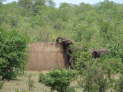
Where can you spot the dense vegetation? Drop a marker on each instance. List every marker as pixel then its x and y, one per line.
pixel 100 25
pixel 12 53
pixel 96 26
pixel 90 26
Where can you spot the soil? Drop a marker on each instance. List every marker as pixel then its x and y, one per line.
pixel 45 56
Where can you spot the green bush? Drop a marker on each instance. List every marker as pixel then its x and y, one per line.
pixel 58 79
pixel 12 53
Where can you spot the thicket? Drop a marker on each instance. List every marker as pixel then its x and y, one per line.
pixel 97 74
pixel 12 53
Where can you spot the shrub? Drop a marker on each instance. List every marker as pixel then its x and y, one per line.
pixel 12 53
pixel 58 79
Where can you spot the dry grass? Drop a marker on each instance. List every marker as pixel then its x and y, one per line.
pixel 22 83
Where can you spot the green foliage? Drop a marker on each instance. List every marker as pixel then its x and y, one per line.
pixel 58 79
pixel 81 56
pixel 84 22
pixel 91 26
pixel 12 53
pixel 95 74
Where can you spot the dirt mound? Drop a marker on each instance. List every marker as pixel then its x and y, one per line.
pixel 45 56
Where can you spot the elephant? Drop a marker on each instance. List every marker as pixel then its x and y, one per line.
pixel 65 43
pixel 100 52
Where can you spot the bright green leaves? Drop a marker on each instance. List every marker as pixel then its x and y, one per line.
pixel 12 53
